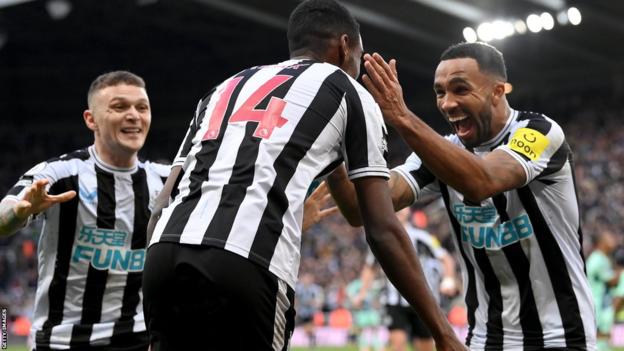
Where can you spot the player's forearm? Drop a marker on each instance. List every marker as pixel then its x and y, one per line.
pixel 9 221
pixel 393 249
pixel 162 200
pixel 453 165
pixel 343 192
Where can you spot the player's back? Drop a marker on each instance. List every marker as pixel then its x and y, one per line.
pixel 256 143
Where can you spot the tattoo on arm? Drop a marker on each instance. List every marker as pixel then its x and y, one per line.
pixel 9 222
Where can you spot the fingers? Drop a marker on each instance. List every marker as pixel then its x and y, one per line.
pixel 326 199
pixel 374 73
pixel 40 185
pixel 319 192
pixel 28 193
pixel 327 212
pixel 382 70
pixel 393 64
pixel 36 190
pixel 370 86
pixel 22 209
pixel 388 73
pixel 68 195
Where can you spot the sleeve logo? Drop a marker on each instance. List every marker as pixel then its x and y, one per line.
pixel 529 142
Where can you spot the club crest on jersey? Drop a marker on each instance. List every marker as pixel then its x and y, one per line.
pixel 87 196
pixel 384 140
pixel 479 227
pixel 107 249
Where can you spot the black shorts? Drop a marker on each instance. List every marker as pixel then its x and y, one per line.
pixel 405 318
pixel 203 298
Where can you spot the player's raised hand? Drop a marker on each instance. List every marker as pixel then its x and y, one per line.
pixel 36 199
pixel 313 211
pixel 383 83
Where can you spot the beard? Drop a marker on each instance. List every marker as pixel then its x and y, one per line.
pixel 483 127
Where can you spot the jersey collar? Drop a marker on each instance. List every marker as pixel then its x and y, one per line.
pixel 105 166
pixel 499 137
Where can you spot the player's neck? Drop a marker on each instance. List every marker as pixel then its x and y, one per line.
pixel 306 55
pixel 115 159
pixel 502 117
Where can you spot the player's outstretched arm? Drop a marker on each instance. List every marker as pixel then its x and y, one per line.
pixel 392 248
pixel 162 200
pixel 14 214
pixel 343 192
pixel 476 178
pixel 313 211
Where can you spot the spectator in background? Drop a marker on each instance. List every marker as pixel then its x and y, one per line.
pixel 367 315
pixel 308 302
pixel 602 279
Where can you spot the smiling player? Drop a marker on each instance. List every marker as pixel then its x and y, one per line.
pixel 92 246
pixel 506 179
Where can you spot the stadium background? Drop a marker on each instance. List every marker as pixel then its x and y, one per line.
pixel 51 50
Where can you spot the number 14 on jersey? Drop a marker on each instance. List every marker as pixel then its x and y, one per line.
pixel 268 119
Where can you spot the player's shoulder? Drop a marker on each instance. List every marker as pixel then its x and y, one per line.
pixel 536 121
pixel 80 155
pixel 64 161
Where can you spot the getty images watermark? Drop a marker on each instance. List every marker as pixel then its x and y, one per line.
pixel 3 343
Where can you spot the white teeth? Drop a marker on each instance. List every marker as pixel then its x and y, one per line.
pixel 457 119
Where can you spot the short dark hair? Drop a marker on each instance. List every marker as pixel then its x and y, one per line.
pixel 488 58
pixel 111 79
pixel 313 22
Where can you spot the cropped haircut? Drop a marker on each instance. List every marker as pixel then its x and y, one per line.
pixel 314 22
pixel 488 58
pixel 111 79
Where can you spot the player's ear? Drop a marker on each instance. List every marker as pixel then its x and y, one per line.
pixel 498 93
pixel 343 49
pixel 90 120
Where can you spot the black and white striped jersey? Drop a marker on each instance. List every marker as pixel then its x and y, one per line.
pixel 429 253
pixel 91 249
pixel 244 184
pixel 523 268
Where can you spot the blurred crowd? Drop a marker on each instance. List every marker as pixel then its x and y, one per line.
pixel 333 253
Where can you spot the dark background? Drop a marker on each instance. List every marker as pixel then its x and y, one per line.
pixel 183 47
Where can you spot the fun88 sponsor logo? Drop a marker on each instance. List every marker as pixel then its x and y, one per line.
pixel 106 249
pixel 478 227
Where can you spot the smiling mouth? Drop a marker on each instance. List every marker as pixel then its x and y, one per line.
pixel 131 130
pixel 456 119
pixel 463 125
